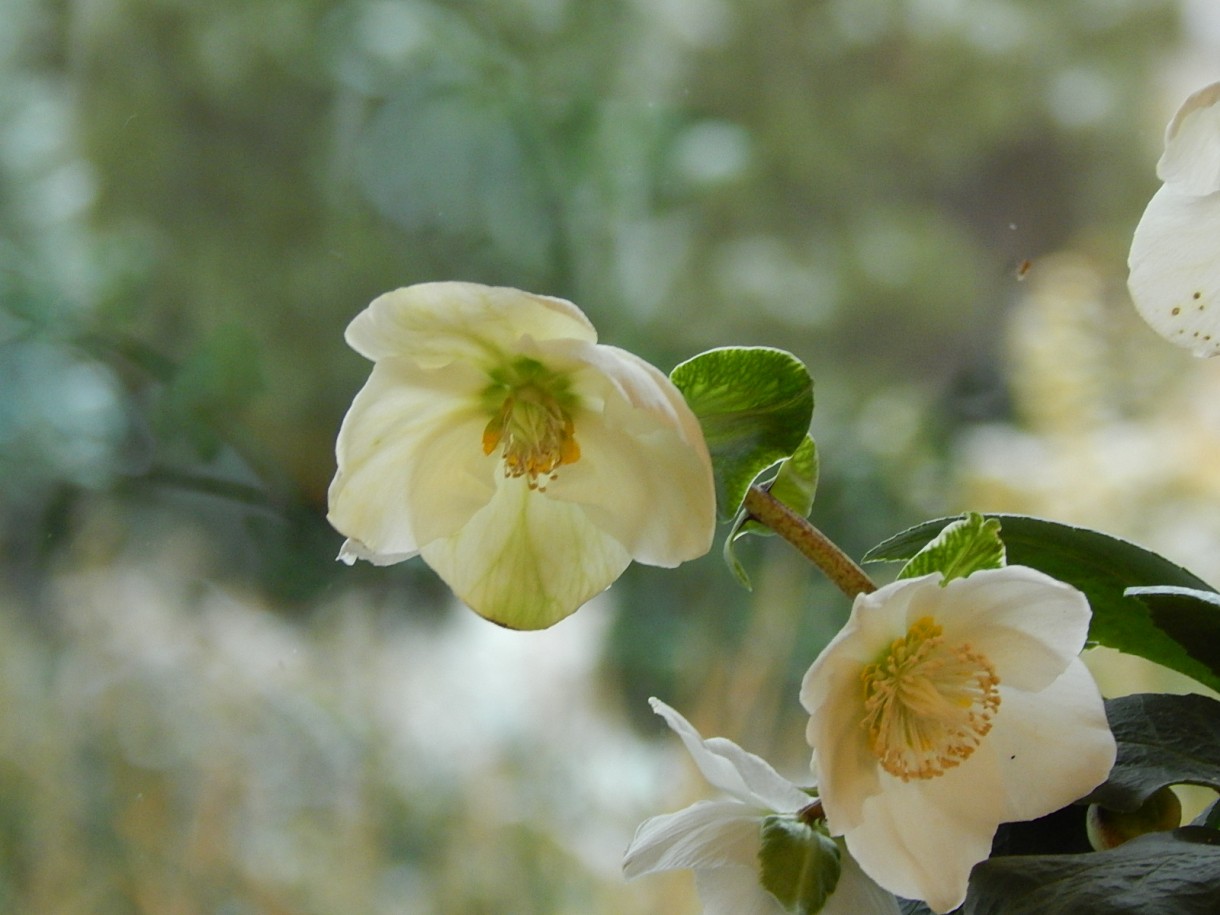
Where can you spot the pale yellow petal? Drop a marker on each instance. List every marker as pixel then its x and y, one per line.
pixel 644 475
pixel 438 323
pixel 526 561
pixel 411 466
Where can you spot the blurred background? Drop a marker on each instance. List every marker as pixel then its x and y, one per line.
pixel 928 201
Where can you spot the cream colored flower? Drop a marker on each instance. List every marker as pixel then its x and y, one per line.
pixel 1174 260
pixel 939 712
pixel 525 462
pixel 721 840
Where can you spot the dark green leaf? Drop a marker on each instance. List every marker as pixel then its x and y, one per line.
pixel 1162 873
pixel 1188 616
pixel 799 864
pixel 964 546
pixel 754 404
pixel 1162 740
pixel 1101 566
pixel 1060 832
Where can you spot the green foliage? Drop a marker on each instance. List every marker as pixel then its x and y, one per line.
pixel 1162 740
pixel 754 404
pixel 1162 873
pixel 1103 567
pixel 1189 616
pixel 964 546
pixel 796 482
pixel 794 485
pixel 799 864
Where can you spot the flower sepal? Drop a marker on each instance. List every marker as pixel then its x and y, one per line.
pixel 799 863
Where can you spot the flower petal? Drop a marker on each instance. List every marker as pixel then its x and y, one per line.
pixel 353 549
pixel 644 475
pixel 525 560
pixel 1192 145
pixel 438 323
pixel 921 839
pixel 847 769
pixel 736 891
pixel 857 893
pixel 1052 747
pixel 725 765
pixel 703 835
pixel 1029 625
pixel 410 461
pixel 1175 274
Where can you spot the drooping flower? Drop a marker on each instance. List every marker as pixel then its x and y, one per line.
pixel 940 711
pixel 721 840
pixel 525 462
pixel 1174 262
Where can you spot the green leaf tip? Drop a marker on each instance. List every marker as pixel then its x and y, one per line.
pixel 794 484
pixel 967 545
pixel 754 405
pixel 799 864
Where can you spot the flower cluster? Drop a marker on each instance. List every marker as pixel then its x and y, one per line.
pixel 529 464
pixel 940 710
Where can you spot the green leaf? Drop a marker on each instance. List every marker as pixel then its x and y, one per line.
pixel 799 864
pixel 1101 566
pixel 1189 617
pixel 1162 740
pixel 754 404
pixel 730 555
pixel 967 545
pixel 795 484
pixel 1162 873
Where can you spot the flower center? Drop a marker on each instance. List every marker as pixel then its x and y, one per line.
pixel 532 423
pixel 927 704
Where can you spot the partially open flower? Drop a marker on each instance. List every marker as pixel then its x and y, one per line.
pixel 721 840
pixel 1174 261
pixel 942 710
pixel 525 462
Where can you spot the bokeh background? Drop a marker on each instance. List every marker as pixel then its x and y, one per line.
pixel 929 201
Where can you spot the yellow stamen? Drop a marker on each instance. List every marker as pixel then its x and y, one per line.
pixel 537 434
pixel 927 704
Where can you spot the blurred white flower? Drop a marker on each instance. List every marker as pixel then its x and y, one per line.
pixel 526 463
pixel 940 711
pixel 1174 260
pixel 721 840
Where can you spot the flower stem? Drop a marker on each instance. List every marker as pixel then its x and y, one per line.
pixel 811 542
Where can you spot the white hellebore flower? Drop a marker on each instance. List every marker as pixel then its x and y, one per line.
pixel 525 462
pixel 1175 260
pixel 939 712
pixel 721 840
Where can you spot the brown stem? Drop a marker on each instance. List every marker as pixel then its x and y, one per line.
pixel 812 543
